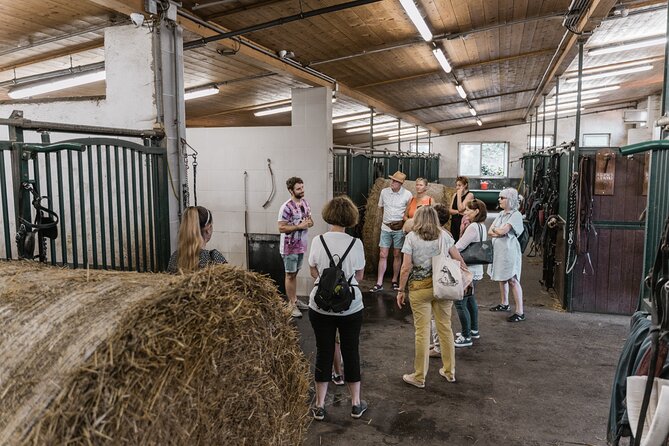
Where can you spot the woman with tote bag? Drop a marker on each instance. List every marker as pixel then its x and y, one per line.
pixel 426 241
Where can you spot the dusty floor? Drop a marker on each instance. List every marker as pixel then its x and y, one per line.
pixel 544 381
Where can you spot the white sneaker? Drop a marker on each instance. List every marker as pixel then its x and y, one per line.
pixel 295 312
pixel 475 334
pixel 461 341
pixel 301 305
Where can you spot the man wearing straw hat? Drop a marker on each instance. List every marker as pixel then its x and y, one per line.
pixel 393 202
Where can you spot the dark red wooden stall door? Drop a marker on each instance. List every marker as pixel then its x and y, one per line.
pixel 616 252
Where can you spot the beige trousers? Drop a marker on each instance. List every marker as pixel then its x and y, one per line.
pixel 423 305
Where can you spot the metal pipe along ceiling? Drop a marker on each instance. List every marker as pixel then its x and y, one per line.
pixel 277 22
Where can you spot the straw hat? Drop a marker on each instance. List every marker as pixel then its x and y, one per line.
pixel 398 176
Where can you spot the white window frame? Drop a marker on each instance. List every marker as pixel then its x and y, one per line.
pixel 585 135
pixel 480 143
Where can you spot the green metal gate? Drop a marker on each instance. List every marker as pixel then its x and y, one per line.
pixel 355 173
pixel 107 199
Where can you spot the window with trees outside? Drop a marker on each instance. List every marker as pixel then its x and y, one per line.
pixel 483 159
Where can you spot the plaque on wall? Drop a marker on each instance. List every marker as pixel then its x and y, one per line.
pixel 646 173
pixel 605 172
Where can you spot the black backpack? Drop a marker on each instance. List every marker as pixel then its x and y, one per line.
pixel 334 293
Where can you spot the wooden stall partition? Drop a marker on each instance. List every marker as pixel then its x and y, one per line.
pixel 610 265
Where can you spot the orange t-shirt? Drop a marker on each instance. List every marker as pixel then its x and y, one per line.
pixel 413 205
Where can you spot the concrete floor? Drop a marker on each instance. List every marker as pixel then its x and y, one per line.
pixel 544 381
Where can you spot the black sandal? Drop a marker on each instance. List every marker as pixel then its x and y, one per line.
pixel 396 286
pixel 516 317
pixel 500 307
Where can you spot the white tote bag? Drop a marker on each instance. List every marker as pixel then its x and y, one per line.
pixel 447 277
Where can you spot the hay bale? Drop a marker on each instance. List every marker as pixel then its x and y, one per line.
pixel 372 227
pixel 128 358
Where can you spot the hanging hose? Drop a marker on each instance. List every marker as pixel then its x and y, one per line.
pixel 186 191
pixel 246 217
pixel 271 194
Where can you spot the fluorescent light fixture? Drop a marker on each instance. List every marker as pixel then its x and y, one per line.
pixel 461 91
pixel 630 45
pixel 200 92
pixel 408 136
pixel 439 54
pixel 365 128
pixel 589 91
pixel 472 111
pixel 59 83
pixel 355 117
pixel 619 72
pixel 478 122
pixel 417 19
pixel 403 131
pixel 571 104
pixel 560 112
pixel 274 111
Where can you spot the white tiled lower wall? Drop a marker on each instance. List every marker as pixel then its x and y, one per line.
pixel 302 150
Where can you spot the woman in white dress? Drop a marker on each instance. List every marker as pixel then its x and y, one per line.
pixel 507 258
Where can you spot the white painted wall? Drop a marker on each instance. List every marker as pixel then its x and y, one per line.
pixel 130 88
pixel 517 136
pixel 302 150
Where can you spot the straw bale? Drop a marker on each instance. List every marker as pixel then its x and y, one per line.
pixel 96 357
pixel 372 226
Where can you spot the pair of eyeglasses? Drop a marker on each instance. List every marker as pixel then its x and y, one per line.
pixel 502 198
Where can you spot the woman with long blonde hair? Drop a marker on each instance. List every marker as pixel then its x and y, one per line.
pixel 423 243
pixel 194 233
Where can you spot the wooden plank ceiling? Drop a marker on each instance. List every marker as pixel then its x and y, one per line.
pixel 505 53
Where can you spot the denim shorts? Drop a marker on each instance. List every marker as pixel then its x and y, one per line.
pixel 392 238
pixel 292 262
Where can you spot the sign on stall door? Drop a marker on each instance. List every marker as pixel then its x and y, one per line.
pixel 605 172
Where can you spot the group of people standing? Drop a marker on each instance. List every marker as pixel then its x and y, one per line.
pixel 413 226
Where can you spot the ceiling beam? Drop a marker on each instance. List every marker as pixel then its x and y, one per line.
pixel 218 15
pixel 445 36
pixel 95 44
pixel 126 7
pixel 278 22
pixel 263 58
pixel 486 126
pixel 458 68
pixel 246 108
pixel 597 11
pixel 472 99
pixel 480 114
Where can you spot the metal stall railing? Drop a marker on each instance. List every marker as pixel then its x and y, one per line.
pixel 88 202
pixel 355 170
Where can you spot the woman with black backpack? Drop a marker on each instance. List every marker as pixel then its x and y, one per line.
pixel 337 262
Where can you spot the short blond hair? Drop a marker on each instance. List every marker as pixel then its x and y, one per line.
pixel 426 223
